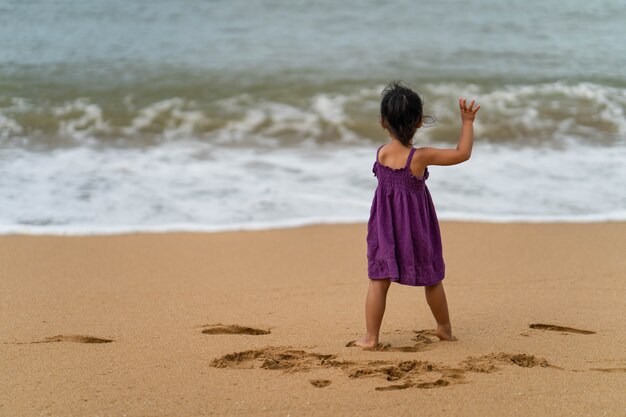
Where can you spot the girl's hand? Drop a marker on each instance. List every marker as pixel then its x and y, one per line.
pixel 467 113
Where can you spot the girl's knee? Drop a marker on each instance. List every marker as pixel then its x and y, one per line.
pixel 434 286
pixel 380 284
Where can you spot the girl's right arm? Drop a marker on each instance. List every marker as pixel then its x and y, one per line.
pixel 463 151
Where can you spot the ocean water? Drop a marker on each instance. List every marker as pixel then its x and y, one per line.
pixel 219 115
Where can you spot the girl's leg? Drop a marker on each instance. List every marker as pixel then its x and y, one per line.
pixel 374 310
pixel 436 298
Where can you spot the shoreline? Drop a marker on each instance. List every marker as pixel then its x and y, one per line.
pixel 23 230
pixel 235 323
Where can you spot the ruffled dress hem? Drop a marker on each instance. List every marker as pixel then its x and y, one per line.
pixel 424 275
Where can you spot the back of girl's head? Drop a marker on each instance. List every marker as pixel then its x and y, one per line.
pixel 401 111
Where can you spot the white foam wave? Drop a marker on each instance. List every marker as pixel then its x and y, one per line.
pixel 196 186
pixel 536 113
pixel 9 127
pixel 263 121
pixel 174 117
pixel 80 119
pixel 526 114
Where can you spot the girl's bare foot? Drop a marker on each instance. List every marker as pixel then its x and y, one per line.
pixel 444 332
pixel 364 342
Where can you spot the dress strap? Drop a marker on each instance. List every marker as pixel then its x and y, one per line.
pixel 377 151
pixel 408 160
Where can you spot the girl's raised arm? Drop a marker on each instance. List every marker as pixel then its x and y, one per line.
pixel 463 151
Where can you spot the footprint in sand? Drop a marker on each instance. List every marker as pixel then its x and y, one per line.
pixel 70 338
pixel 394 387
pixel 563 329
pixel 435 384
pixel 611 370
pixel 422 337
pixel 419 347
pixel 320 383
pixel 488 363
pixel 422 385
pixel 426 336
pixel 291 360
pixel 232 329
pixel 410 374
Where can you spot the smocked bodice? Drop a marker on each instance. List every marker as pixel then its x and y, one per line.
pixel 399 177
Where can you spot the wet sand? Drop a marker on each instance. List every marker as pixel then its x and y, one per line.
pixel 255 323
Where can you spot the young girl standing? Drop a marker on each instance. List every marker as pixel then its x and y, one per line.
pixel 403 238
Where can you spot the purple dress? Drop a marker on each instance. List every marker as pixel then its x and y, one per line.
pixel 403 238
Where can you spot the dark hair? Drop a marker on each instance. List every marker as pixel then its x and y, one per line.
pixel 401 111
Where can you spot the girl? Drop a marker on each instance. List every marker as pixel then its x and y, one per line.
pixel 403 238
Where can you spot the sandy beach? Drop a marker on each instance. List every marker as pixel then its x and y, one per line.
pixel 147 324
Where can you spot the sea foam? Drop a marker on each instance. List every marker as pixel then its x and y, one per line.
pixel 523 114
pixel 191 186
